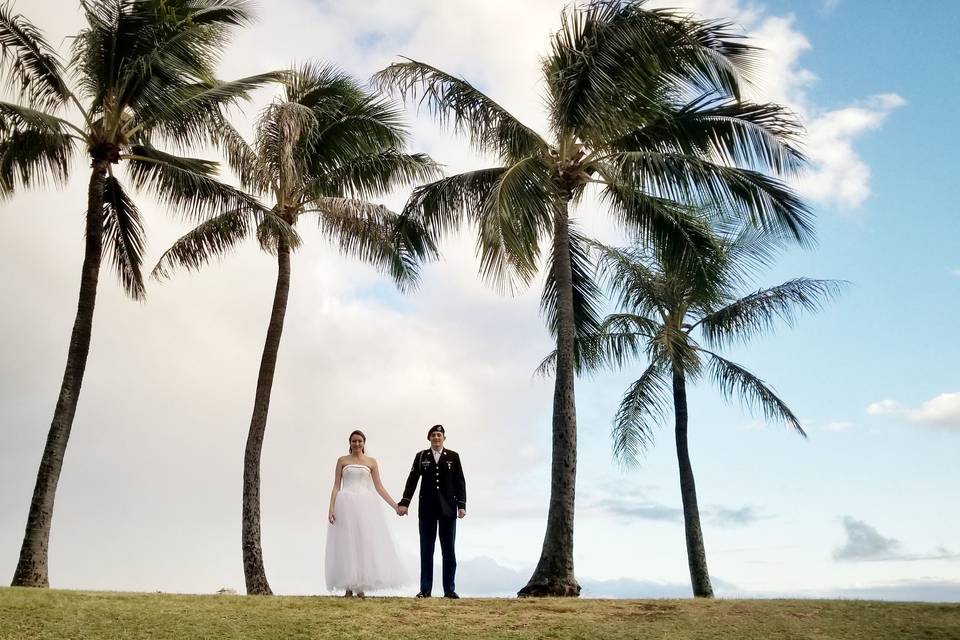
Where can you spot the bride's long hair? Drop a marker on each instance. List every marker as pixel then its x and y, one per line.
pixel 357 432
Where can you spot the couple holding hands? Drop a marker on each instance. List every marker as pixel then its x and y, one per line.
pixel 361 555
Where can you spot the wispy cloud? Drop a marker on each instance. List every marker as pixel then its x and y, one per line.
pixel 838 426
pixel 864 543
pixel 639 508
pixel 883 407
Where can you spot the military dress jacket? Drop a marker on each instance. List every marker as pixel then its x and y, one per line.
pixel 442 489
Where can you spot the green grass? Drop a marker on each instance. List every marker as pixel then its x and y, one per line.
pixel 33 613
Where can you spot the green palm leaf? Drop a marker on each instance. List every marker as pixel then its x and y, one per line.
pixel 587 295
pixel 641 409
pixel 444 205
pixel 757 312
pixel 32 156
pixel 186 185
pixel 210 239
pixel 28 63
pixel 726 131
pixel 734 380
pixel 376 235
pixel 123 237
pixel 375 174
pixel 458 104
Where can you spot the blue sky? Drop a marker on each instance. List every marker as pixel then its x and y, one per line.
pixel 150 493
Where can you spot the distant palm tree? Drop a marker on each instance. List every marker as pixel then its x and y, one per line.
pixel 645 106
pixel 322 150
pixel 664 304
pixel 140 71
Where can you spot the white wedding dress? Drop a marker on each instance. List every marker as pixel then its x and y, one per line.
pixel 361 554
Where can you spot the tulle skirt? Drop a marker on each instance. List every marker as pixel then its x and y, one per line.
pixel 361 554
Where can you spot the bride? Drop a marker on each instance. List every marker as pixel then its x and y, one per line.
pixel 361 555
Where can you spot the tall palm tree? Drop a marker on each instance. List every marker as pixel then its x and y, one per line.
pixel 644 106
pixel 141 71
pixel 322 151
pixel 664 306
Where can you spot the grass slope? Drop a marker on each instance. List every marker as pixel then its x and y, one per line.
pixel 26 614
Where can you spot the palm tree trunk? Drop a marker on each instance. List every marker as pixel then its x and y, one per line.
pixel 554 573
pixel 696 553
pixel 253 570
pixel 32 570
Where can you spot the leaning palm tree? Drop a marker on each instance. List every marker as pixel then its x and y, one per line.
pixel 141 72
pixel 665 305
pixel 644 107
pixel 322 151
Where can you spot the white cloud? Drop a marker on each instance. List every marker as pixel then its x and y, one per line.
pixel 838 426
pixel 839 175
pixel 943 410
pixel 955 272
pixel 882 407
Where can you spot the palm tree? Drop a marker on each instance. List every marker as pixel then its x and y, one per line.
pixel 644 106
pixel 322 151
pixel 141 71
pixel 665 304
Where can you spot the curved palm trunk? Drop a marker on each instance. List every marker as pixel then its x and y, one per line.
pixel 696 554
pixel 253 570
pixel 554 573
pixel 32 568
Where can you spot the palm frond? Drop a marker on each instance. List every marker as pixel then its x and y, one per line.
pixel 274 230
pixel 325 86
pixel 32 156
pixel 586 295
pixel 18 116
pixel 734 380
pixel 677 234
pixel 210 239
pixel 30 66
pixel 377 236
pixel 746 195
pixel 593 92
pixel 512 222
pixel 446 204
pixel 376 174
pixel 123 237
pixel 756 313
pixel 280 132
pixel 241 158
pixel 745 134
pixel 187 185
pixel 188 115
pixel 349 127
pixel 641 409
pixel 634 284
pixel 456 103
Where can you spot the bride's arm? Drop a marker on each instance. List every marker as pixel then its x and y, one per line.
pixel 375 472
pixel 337 478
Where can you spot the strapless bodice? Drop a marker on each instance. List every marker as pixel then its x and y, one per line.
pixel 356 478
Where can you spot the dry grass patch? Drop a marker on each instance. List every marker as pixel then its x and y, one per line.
pixel 28 614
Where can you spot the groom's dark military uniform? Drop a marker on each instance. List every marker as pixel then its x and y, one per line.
pixel 442 491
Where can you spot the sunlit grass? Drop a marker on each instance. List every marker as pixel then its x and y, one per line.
pixel 29 613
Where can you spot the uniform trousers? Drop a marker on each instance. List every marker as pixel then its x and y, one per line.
pixel 429 526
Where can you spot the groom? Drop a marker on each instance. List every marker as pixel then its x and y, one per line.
pixel 443 499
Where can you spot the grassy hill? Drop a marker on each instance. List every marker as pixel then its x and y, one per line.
pixel 26 614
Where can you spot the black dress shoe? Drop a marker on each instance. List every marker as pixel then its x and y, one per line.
pixel 423 595
pixel 453 595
